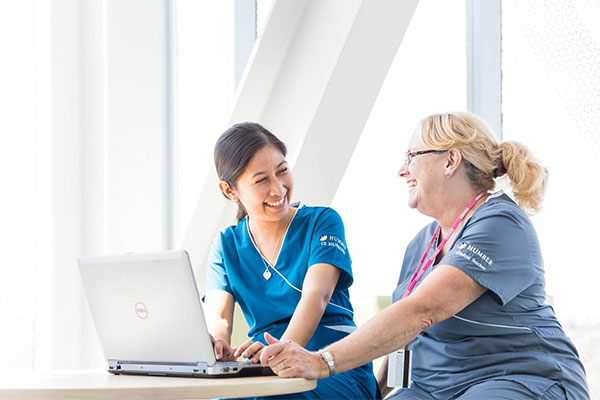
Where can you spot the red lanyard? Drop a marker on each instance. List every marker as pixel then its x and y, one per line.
pixel 420 271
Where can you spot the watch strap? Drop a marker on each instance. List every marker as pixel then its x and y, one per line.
pixel 328 358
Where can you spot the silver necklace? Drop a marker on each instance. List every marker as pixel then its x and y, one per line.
pixel 267 273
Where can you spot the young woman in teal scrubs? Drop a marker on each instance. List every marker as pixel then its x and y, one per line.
pixel 287 265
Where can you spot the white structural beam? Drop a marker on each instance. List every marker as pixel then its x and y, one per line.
pixel 484 61
pixel 312 79
pixel 345 106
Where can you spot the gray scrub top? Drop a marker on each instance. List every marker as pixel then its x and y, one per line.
pixel 507 333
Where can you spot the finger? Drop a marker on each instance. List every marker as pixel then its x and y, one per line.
pixel 277 368
pixel 270 339
pixel 269 352
pixel 290 372
pixel 219 350
pixel 227 353
pixel 241 348
pixel 256 356
pixel 277 360
pixel 250 351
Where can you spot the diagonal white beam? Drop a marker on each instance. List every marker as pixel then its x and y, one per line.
pixel 312 79
pixel 352 89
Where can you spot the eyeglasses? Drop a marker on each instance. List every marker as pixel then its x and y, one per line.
pixel 412 154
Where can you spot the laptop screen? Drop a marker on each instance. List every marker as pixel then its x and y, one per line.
pixel 146 307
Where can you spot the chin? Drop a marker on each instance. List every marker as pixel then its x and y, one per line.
pixel 412 201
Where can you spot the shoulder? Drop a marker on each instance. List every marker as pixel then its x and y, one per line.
pixel 318 214
pixel 502 211
pixel 499 224
pixel 424 234
pixel 232 234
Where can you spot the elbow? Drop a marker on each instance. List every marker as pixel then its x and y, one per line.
pixel 316 300
pixel 426 313
pixel 324 301
pixel 426 321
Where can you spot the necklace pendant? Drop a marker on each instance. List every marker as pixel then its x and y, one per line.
pixel 267 274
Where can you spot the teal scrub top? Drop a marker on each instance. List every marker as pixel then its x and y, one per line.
pixel 508 333
pixel 315 235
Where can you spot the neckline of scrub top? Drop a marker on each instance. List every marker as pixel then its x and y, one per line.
pixel 298 205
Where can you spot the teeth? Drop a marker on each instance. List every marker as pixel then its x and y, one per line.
pixel 412 184
pixel 278 203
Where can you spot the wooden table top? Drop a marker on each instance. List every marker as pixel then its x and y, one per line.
pixel 99 384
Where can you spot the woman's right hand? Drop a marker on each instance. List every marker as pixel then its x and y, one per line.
pixel 250 350
pixel 223 351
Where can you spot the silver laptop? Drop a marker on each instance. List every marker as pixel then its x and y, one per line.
pixel 149 319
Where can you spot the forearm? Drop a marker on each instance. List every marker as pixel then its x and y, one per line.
pixel 305 319
pixel 218 309
pixel 391 329
pixel 220 328
pixel 445 292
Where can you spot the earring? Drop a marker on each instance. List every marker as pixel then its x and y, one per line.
pixel 447 174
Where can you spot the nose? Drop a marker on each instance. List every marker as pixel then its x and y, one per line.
pixel 277 187
pixel 403 171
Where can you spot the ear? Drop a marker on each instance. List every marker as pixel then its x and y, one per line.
pixel 228 191
pixel 453 160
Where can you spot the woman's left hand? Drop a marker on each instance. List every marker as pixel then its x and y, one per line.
pixel 250 350
pixel 290 360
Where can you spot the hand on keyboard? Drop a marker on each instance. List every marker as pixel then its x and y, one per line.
pixel 223 351
pixel 250 350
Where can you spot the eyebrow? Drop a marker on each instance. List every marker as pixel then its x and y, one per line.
pixel 264 173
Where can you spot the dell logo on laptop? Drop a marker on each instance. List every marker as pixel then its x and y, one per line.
pixel 141 310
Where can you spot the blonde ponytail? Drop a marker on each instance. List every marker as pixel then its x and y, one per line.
pixel 485 159
pixel 527 177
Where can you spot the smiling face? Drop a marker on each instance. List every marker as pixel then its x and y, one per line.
pixel 265 187
pixel 424 177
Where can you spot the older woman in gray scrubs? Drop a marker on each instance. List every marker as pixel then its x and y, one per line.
pixel 470 302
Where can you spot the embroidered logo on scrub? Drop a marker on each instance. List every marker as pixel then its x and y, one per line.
pixel 333 241
pixel 474 254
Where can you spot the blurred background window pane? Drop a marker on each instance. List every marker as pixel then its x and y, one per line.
pixel 204 92
pixel 428 75
pixel 551 102
pixel 20 219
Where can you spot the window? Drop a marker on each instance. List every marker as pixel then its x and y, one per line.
pixel 551 103
pixel 23 212
pixel 213 42
pixel 428 75
pixel 204 93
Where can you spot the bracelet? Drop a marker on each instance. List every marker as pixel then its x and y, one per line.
pixel 328 358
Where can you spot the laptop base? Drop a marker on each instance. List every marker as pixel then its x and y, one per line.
pixel 191 370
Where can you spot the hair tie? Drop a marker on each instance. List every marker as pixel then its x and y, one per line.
pixel 500 169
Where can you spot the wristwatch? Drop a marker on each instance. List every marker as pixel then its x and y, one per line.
pixel 328 358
